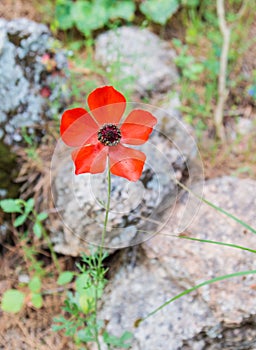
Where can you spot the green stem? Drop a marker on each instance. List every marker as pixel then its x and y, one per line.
pixel 106 217
pixel 100 257
pixel 53 254
pixel 49 243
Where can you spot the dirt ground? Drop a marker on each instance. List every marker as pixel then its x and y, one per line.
pixel 10 9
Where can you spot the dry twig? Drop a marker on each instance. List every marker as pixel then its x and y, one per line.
pixel 222 84
pixel 222 89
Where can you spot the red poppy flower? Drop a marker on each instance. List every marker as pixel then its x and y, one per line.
pixel 100 135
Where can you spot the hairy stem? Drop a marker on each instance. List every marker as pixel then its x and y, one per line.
pixel 106 216
pixel 100 273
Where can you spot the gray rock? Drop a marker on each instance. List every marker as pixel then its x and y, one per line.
pixel 218 316
pixel 134 206
pixel 2 39
pixel 245 126
pixel 31 91
pixel 138 57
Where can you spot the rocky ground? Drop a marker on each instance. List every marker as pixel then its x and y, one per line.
pixel 221 316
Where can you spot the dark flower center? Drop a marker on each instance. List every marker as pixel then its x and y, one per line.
pixel 109 135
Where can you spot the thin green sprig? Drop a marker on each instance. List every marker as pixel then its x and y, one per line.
pixel 231 245
pixel 48 242
pixel 189 290
pixel 219 243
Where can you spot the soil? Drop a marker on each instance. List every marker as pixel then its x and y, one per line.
pixel 10 9
pixel 32 328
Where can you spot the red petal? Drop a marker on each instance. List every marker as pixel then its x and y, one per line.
pixel 77 127
pixel 137 127
pixel 126 162
pixel 90 159
pixel 113 105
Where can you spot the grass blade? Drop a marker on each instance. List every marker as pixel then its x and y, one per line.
pixel 189 290
pixel 241 222
pixel 217 242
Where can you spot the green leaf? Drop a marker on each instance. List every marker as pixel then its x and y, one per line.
pixel 20 220
pixel 37 229
pixel 86 303
pixel 63 14
pixel 89 16
pixel 190 3
pixel 35 284
pixel 82 282
pixel 29 205
pixel 65 277
pixel 127 336
pixel 193 71
pixel 12 301
pixel 121 9
pixel 120 342
pixel 159 11
pixel 10 206
pixel 37 300
pixel 85 335
pixel 84 286
pixel 42 216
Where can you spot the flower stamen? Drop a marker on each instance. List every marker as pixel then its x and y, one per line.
pixel 109 135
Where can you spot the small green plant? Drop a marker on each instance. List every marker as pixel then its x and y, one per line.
pixel 81 307
pixel 31 144
pixel 159 11
pixel 190 69
pixel 88 16
pixel 35 285
pixel 25 211
pixel 14 299
pixel 27 292
pixel 195 111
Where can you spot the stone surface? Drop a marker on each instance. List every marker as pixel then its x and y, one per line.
pixel 220 316
pixel 138 57
pixel 32 79
pixel 245 126
pixel 134 206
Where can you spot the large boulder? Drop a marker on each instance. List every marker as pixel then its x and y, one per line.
pixel 137 57
pixel 32 79
pixel 135 207
pixel 220 316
